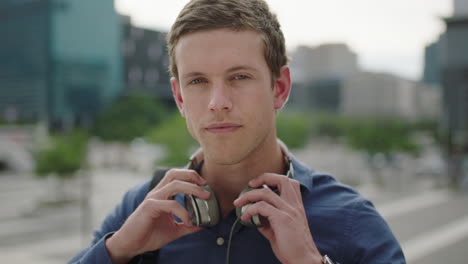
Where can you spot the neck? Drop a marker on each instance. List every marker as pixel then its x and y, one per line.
pixel 227 181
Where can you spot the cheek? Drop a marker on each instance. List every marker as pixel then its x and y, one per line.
pixel 260 111
pixel 263 103
pixel 192 117
pixel 190 123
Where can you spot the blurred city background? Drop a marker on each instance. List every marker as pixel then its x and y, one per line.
pixel 86 112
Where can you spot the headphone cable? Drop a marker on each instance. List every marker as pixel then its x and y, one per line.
pixel 230 239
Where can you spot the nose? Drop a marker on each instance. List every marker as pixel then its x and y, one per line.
pixel 220 98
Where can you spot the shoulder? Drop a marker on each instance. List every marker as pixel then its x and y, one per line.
pixel 116 217
pixel 134 196
pixel 337 210
pixel 324 189
pixel 137 193
pixel 326 200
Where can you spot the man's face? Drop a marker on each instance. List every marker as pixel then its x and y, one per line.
pixel 226 94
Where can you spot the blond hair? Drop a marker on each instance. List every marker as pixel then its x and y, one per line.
pixel 237 15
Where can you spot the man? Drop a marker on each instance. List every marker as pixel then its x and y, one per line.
pixel 230 77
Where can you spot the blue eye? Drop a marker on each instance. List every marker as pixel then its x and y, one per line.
pixel 197 81
pixel 240 77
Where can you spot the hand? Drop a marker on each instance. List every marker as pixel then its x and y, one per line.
pixel 288 230
pixel 152 225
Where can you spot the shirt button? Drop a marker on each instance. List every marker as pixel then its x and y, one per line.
pixel 220 241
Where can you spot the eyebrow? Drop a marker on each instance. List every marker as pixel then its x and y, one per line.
pixel 232 69
pixel 241 67
pixel 191 74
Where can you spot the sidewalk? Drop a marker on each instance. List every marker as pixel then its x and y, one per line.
pixel 32 234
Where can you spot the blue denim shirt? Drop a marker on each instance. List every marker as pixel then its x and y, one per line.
pixel 345 226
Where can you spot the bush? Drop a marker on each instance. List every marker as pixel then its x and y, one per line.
pixel 381 136
pixel 430 128
pixel 128 118
pixel 293 129
pixel 64 157
pixel 174 136
pixel 328 125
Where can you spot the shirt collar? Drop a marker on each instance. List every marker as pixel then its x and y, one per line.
pixel 296 170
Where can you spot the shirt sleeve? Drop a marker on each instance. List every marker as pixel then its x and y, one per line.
pixel 370 238
pixel 96 252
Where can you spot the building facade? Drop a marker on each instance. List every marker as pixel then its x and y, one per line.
pixel 145 61
pixel 455 91
pixel 379 95
pixel 63 59
pixel 318 74
pixel 460 8
pixel 24 60
pixel 433 57
pixel 322 95
pixel 327 61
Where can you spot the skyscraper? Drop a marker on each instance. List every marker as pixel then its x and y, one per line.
pixel 24 59
pixel 145 61
pixel 60 61
pixel 455 92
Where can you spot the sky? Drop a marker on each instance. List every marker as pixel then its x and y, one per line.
pixel 387 35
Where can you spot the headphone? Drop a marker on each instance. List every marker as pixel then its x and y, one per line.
pixel 207 213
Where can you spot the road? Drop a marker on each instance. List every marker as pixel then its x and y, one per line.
pixel 431 224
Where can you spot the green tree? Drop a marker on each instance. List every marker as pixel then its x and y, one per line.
pixel 329 125
pixel 380 139
pixel 174 136
pixel 129 117
pixel 381 136
pixel 64 156
pixel 293 129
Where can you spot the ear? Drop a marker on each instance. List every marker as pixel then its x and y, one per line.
pixel 282 88
pixel 177 95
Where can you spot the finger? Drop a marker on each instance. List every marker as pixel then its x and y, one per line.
pixel 284 184
pixel 262 194
pixel 270 179
pixel 264 209
pixel 156 207
pixel 177 186
pixel 296 189
pixel 182 175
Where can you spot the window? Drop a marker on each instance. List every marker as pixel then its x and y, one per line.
pixel 151 76
pixel 154 51
pixel 135 74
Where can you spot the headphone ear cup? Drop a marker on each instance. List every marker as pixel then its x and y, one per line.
pixel 203 212
pixel 255 221
pixel 212 208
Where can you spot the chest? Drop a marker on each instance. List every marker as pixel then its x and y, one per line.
pixel 247 246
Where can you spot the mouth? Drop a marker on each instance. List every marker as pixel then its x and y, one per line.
pixel 220 128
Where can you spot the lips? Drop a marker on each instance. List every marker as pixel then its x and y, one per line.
pixel 223 127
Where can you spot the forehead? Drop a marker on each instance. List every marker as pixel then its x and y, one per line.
pixel 216 50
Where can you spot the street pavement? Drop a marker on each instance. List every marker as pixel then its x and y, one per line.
pixel 430 222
